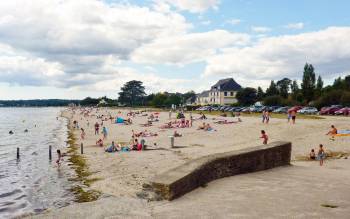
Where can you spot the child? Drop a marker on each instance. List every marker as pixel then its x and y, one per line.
pixel 99 142
pixel 312 155
pixel 104 132
pixel 59 157
pixel 321 155
pixel 264 136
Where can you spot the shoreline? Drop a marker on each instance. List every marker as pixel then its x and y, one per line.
pixel 120 183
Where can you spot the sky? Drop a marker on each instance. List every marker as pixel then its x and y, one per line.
pixel 71 49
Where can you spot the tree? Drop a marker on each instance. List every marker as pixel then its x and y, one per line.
pixel 260 95
pixel 338 83
pixel 247 96
pixel 319 86
pixel 273 100
pixel 173 99
pixel 308 84
pixel 283 86
pixel 189 96
pixel 272 90
pixel 296 95
pixel 159 100
pixel 132 93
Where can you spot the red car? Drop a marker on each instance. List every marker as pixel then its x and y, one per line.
pixel 329 110
pixel 343 111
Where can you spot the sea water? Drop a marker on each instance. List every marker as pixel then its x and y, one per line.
pixel 32 183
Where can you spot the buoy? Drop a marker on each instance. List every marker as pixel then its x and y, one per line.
pixel 11 132
pixel 26 130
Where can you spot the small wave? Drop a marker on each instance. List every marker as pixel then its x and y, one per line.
pixel 10 193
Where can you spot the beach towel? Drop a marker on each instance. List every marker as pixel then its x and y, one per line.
pixel 119 120
pixel 343 133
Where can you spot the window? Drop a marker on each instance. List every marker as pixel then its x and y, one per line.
pixel 231 93
pixel 225 94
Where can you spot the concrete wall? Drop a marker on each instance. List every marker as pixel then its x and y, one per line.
pixel 185 178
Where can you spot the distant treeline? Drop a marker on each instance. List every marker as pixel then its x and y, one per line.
pixel 37 103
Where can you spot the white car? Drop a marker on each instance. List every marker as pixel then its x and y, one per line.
pixel 308 110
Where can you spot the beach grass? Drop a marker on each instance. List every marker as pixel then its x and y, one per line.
pixel 83 174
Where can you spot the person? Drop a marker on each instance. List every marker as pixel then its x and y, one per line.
pixel 201 126
pixel 321 154
pixel 267 116
pixel 111 148
pixel 82 135
pixel 104 132
pixel 59 157
pixel 263 116
pixel 332 132
pixel 191 120
pixel 99 142
pixel 312 155
pixel 176 134
pixel 97 128
pixel 264 136
pixel 293 115
pixel 289 116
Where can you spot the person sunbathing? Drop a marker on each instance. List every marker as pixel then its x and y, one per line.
pixel 99 142
pixel 167 126
pixel 225 122
pixel 208 128
pixel 202 126
pixel 332 132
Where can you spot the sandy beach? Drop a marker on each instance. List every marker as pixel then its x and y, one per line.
pixel 299 190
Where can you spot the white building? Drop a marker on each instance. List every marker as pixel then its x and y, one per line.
pixel 222 93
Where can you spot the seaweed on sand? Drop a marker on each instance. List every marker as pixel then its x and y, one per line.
pixel 81 168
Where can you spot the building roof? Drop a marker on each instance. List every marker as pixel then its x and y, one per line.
pixel 228 84
pixel 204 94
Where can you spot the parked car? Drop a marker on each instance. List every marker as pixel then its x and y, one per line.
pixel 295 108
pixel 245 110
pixel 329 110
pixel 308 110
pixel 343 111
pixel 281 110
pixel 272 108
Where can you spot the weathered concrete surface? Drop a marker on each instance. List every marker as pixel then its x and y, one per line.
pixel 180 180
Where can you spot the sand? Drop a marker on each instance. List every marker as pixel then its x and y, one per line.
pixel 295 191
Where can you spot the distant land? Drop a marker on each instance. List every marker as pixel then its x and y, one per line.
pixel 37 103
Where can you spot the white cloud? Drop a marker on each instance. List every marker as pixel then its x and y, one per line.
pixel 207 22
pixel 233 21
pixel 188 48
pixel 194 6
pixel 259 29
pixel 295 26
pixel 284 56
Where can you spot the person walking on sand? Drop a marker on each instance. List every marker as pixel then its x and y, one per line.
pixel 104 132
pixel 267 116
pixel 293 115
pixel 263 116
pixel 321 155
pixel 332 132
pixel 264 136
pixel 97 128
pixel 170 114
pixel 82 135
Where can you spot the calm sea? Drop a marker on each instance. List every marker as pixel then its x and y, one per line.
pixel 33 183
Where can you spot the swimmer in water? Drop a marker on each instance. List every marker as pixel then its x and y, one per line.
pixel 25 130
pixel 11 132
pixel 59 157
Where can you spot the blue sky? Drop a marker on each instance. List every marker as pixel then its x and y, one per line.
pixel 78 48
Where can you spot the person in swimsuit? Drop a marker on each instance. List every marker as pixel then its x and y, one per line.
pixel 59 157
pixel 264 136
pixel 321 155
pixel 293 115
pixel 332 132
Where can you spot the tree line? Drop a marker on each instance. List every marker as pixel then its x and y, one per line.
pixel 288 92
